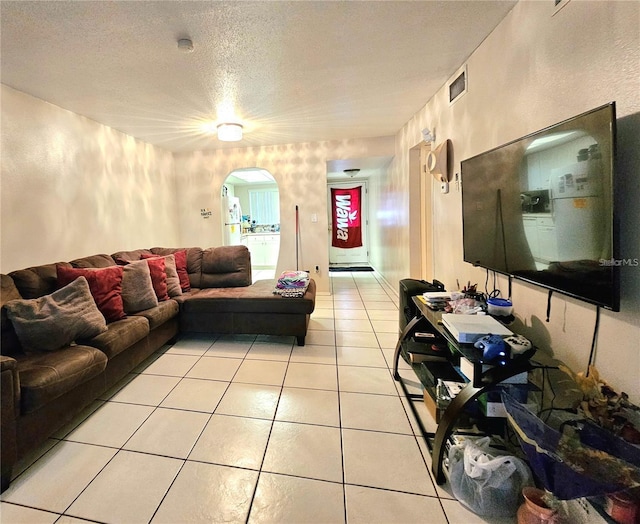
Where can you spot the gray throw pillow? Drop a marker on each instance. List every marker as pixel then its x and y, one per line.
pixel 54 321
pixel 137 287
pixel 173 281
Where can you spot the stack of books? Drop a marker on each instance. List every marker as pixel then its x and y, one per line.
pixel 436 299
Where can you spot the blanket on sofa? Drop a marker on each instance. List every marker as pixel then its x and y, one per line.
pixel 292 284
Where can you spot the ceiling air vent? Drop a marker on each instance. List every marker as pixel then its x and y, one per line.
pixel 458 86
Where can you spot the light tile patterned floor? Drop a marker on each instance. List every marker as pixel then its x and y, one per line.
pixel 250 429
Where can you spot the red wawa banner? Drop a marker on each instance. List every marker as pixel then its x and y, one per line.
pixel 345 212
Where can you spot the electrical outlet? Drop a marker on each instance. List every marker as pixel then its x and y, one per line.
pixel 317 269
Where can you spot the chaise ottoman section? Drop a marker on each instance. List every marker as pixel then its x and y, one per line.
pixel 251 309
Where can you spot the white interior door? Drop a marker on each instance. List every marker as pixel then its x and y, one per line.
pixel 355 255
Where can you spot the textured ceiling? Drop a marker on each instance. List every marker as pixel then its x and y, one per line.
pixel 289 71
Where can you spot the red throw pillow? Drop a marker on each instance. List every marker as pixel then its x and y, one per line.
pixel 105 285
pixel 158 277
pixel 181 267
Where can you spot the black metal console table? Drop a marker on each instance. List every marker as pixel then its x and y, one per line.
pixel 429 320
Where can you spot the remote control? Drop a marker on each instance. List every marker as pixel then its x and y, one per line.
pixel 518 344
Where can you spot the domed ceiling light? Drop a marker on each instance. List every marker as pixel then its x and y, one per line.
pixel 351 172
pixel 229 132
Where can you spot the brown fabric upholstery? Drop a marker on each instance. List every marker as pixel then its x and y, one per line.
pixel 253 309
pixel 9 344
pixel 47 376
pixel 120 335
pixel 9 411
pixel 158 315
pixel 257 298
pixel 130 256
pixel 94 261
pixel 194 261
pixel 41 392
pixel 229 266
pixel 10 388
pixel 34 282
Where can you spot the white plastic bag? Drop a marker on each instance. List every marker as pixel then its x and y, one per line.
pixel 485 481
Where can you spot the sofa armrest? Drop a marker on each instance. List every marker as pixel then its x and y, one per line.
pixel 10 388
pixel 9 412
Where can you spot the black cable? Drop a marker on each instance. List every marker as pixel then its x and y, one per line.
pixel 549 304
pixel 593 341
pixel 504 243
pixel 486 283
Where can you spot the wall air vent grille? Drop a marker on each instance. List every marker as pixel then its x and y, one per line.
pixel 458 86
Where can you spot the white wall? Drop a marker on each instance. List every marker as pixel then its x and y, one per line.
pixel 300 170
pixel 72 187
pixel 534 70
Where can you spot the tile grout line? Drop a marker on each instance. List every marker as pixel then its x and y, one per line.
pixel 342 459
pixel 204 427
pixel 266 447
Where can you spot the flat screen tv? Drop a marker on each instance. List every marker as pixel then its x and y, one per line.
pixel 540 208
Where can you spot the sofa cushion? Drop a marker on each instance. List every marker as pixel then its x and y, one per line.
pixel 46 376
pixel 122 258
pixel 184 297
pixel 94 261
pixel 34 282
pixel 54 321
pixel 172 279
pixel 160 314
pixel 120 335
pixel 257 298
pixel 9 344
pixel 105 285
pixel 137 287
pixel 181 268
pixel 158 277
pixel 194 263
pixel 228 266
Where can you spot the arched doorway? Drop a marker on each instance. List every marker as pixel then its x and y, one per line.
pixel 252 196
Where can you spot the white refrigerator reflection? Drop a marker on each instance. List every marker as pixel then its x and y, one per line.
pixel 231 220
pixel 576 205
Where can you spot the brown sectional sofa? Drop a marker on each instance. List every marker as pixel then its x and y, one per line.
pixel 43 391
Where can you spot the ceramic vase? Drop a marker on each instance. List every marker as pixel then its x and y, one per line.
pixel 534 510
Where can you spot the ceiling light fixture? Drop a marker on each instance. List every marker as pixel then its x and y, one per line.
pixel 351 172
pixel 229 132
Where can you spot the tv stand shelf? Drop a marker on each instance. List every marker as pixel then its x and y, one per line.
pixel 430 321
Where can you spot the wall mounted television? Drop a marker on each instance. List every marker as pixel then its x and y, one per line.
pixel 541 208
